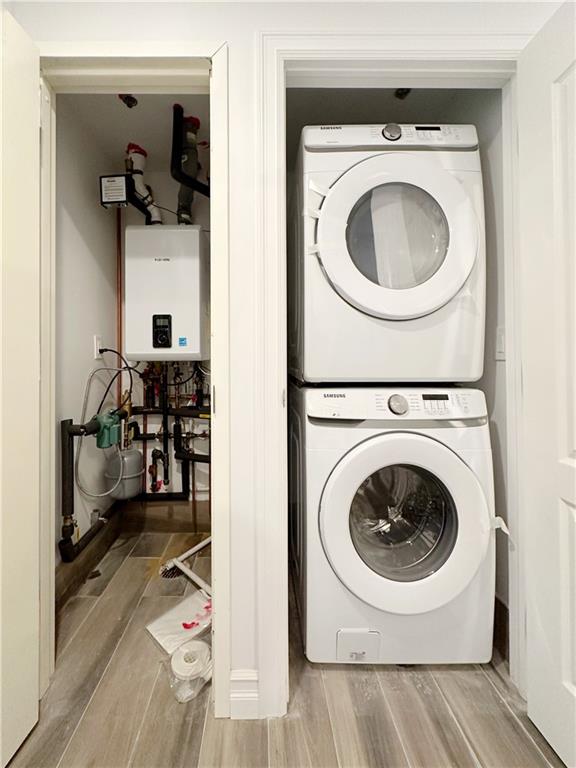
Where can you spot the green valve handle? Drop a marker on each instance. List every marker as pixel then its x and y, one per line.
pixel 109 433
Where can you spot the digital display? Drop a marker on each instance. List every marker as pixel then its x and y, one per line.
pixel 428 128
pixel 162 322
pixel 435 397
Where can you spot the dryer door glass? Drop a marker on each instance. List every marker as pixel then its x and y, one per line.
pixel 397 235
pixel 403 522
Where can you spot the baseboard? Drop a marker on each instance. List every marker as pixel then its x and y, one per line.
pixel 501 629
pixel 70 576
pixel 244 694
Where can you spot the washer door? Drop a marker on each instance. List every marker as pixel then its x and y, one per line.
pixel 404 523
pixel 397 236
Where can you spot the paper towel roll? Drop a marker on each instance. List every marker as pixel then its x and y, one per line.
pixel 192 660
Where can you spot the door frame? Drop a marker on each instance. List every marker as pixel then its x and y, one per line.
pixel 95 68
pixel 368 60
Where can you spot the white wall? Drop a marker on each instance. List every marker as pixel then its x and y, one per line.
pixel 85 288
pixel 239 24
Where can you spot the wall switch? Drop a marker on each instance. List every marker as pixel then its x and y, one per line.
pixel 500 353
pixel 97 346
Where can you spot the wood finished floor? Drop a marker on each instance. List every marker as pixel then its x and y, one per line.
pixel 110 705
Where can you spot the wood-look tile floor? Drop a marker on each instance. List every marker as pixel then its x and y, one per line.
pixel 110 705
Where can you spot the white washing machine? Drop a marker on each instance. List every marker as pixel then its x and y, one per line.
pixel 392 524
pixel 387 255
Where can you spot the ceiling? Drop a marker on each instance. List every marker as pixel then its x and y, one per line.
pixel 111 125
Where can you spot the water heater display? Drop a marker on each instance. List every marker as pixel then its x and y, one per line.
pixel 162 331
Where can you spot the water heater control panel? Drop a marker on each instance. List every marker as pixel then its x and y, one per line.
pixel 162 331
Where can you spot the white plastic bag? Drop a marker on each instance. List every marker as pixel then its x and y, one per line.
pixel 190 669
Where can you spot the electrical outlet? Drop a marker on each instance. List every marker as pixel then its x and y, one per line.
pixel 97 347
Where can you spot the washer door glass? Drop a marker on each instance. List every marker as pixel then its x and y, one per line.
pixel 397 235
pixel 403 522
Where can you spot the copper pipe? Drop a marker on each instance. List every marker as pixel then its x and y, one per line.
pixel 194 506
pixel 119 291
pixel 145 449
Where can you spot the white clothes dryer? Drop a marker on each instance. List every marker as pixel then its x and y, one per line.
pixel 387 255
pixel 392 524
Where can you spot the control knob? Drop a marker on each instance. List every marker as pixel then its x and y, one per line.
pixel 398 404
pixel 392 132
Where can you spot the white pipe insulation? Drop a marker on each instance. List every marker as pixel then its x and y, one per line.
pixel 135 166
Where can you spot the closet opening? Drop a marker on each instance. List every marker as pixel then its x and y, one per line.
pixel 398 387
pixel 134 344
pixel 132 365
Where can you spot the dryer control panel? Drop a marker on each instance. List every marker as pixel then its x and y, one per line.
pixel 398 403
pixel 389 136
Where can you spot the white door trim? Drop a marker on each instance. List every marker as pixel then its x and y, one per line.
pixel 426 59
pixel 48 429
pixel 514 405
pixel 72 76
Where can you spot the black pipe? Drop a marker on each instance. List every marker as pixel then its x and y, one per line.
pixel 165 405
pixel 135 200
pixel 66 544
pixel 87 537
pixel 68 431
pixel 187 411
pixel 184 454
pixel 178 150
pixel 165 498
pixel 182 495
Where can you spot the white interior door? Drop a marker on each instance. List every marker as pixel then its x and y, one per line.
pixel 19 388
pixel 547 211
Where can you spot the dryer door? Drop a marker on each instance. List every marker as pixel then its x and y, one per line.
pixel 397 236
pixel 404 523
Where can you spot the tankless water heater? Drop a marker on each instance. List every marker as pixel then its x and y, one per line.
pixel 166 293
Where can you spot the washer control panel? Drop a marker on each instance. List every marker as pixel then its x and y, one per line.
pixel 405 403
pixel 391 135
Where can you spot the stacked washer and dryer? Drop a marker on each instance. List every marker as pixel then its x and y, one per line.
pixel 391 486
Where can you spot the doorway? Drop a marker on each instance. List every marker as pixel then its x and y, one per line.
pixel 305 65
pixel 99 70
pixel 193 72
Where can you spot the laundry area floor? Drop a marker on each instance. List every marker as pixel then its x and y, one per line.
pixel 110 704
